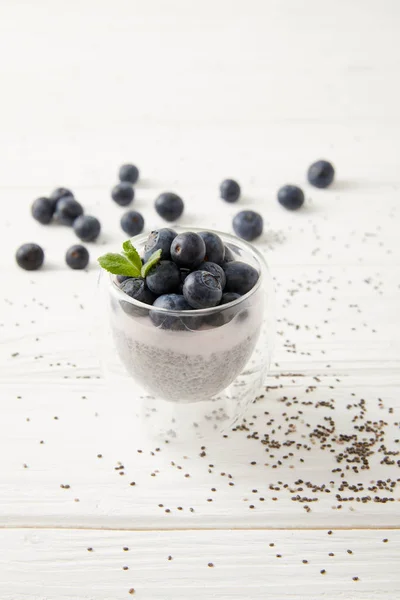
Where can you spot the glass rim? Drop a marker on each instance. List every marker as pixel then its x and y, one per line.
pixel 226 237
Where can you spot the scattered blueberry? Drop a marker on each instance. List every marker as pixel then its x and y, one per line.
pixel 42 210
pixel 77 257
pixel 229 297
pixel 137 289
pixel 202 290
pixel 215 249
pixel 291 197
pixel 29 257
pixel 87 228
pixel 123 193
pixel 173 302
pixel 240 277
pixel 248 225
pixel 163 278
pixel 188 250
pixel 230 190
pixel 215 270
pixel 169 206
pixel 67 210
pixel 59 193
pixel 132 222
pixel 128 173
pixel 159 239
pixel 321 174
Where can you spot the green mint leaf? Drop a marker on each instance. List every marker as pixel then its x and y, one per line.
pixel 153 260
pixel 132 254
pixel 118 265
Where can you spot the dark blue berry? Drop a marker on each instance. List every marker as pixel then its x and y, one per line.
pixel 159 239
pixel 291 197
pixel 77 257
pixel 202 290
pixel 215 249
pixel 136 288
pixel 128 173
pixel 29 257
pixel 122 278
pixel 230 190
pixel 67 210
pixel 215 270
pixel 173 302
pixel 132 222
pixel 321 174
pixel 59 193
pixel 169 206
pixel 42 210
pixel 87 228
pixel 123 193
pixel 224 316
pixel 163 278
pixel 240 277
pixel 188 250
pixel 248 225
pixel 229 297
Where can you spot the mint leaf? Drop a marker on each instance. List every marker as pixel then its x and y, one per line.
pixel 132 254
pixel 153 260
pixel 118 265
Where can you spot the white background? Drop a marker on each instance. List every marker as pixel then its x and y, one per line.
pixel 193 93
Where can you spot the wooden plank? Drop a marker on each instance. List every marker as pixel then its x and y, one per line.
pixel 225 565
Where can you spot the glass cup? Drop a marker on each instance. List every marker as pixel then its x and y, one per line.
pixel 196 371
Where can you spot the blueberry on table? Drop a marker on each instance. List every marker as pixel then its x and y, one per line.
pixel 169 206
pixel 58 193
pixel 248 225
pixel 230 190
pixel 172 302
pixel 128 173
pixel 202 290
pixel 77 257
pixel 163 278
pixel 291 197
pixel 215 249
pixel 137 289
pixel 188 250
pixel 87 228
pixel 132 222
pixel 123 193
pixel 240 277
pixel 215 270
pixel 67 210
pixel 321 174
pixel 42 210
pixel 159 239
pixel 29 257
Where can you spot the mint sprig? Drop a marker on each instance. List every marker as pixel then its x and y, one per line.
pixel 128 262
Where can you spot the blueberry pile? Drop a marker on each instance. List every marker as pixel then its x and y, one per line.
pixel 186 271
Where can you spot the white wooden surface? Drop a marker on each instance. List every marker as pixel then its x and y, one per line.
pixel 192 94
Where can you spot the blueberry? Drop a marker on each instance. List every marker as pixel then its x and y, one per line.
pixel 183 274
pixel 214 247
pixel 87 228
pixel 230 190
pixel 42 210
pixel 169 206
pixel 128 173
pixel 229 297
pixel 321 174
pixel 224 316
pixel 202 290
pixel 240 277
pixel 159 239
pixel 59 193
pixel 67 210
pixel 228 255
pixel 121 278
pixel 137 289
pixel 188 250
pixel 29 257
pixel 123 193
pixel 77 257
pixel 132 222
pixel 163 278
pixel 173 302
pixel 215 270
pixel 248 225
pixel 291 197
